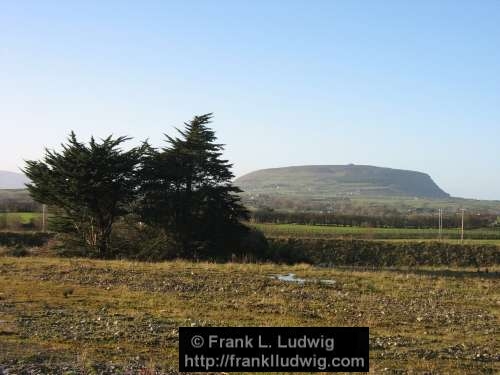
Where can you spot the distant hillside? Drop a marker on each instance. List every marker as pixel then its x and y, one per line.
pixel 12 180
pixel 341 180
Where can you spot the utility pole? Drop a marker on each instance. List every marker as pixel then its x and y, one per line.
pixel 440 223
pixel 462 232
pixel 44 208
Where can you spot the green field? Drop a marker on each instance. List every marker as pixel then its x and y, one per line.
pixel 453 241
pixel 22 217
pixel 14 221
pixel 451 204
pixel 85 316
pixel 369 205
pixel 321 231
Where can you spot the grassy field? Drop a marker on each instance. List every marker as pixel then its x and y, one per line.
pixel 320 202
pixel 84 316
pixel 321 231
pixel 448 240
pixel 451 204
pixel 22 217
pixel 19 221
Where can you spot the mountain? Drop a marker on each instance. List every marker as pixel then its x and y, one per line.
pixel 12 180
pixel 340 180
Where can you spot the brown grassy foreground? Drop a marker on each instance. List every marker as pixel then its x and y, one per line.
pixel 84 316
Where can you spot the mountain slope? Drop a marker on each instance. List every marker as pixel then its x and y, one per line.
pixel 12 180
pixel 341 180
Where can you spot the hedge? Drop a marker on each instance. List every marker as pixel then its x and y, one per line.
pixel 24 238
pixel 381 253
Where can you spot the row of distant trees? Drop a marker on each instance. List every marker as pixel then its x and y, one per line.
pixel 17 201
pixel 17 205
pixel 183 191
pixel 471 221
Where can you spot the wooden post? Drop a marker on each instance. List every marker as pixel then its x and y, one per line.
pixel 462 233
pixel 44 208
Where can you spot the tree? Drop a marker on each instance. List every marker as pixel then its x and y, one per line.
pixel 90 184
pixel 187 190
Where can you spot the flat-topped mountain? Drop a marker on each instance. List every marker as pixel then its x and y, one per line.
pixel 341 180
pixel 12 180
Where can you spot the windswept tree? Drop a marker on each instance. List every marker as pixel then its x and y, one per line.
pixel 91 184
pixel 187 190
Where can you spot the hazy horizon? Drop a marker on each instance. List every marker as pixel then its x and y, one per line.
pixel 411 86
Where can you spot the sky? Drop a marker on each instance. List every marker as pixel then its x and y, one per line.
pixel 403 84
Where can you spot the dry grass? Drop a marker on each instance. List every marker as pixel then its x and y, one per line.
pixel 124 315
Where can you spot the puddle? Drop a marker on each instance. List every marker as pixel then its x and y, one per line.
pixel 291 278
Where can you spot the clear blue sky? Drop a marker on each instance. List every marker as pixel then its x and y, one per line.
pixel 403 84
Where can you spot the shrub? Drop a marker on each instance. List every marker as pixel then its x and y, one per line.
pixel 30 239
pixel 18 251
pixel 133 240
pixel 252 246
pixel 382 253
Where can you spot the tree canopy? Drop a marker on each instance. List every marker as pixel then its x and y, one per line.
pixel 91 184
pixel 183 190
pixel 187 190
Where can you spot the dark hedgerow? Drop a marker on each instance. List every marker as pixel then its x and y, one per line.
pixel 382 253
pixel 12 239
